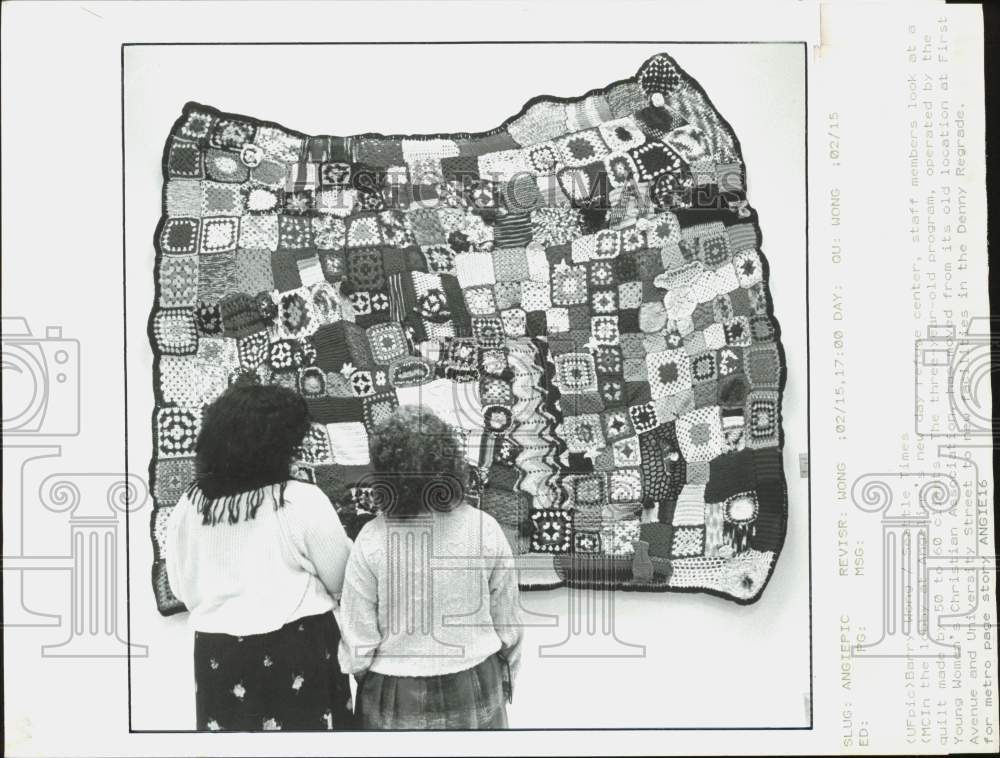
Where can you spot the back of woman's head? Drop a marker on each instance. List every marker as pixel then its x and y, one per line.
pixel 419 463
pixel 248 439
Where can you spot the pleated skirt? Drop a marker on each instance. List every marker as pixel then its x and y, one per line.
pixel 470 699
pixel 288 679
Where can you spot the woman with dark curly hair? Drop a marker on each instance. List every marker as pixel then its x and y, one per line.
pixel 258 558
pixel 431 646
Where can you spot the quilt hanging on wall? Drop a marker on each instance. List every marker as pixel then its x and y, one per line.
pixel 580 292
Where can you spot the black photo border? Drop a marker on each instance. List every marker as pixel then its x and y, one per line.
pixel 805 62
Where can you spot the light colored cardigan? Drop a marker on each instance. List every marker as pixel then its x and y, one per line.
pixel 257 575
pixel 430 595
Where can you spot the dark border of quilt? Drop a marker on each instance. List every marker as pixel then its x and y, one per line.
pixel 628 586
pixel 805 64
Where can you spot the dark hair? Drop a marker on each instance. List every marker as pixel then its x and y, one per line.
pixel 248 440
pixel 418 462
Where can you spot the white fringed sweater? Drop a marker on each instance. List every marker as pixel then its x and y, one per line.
pixel 258 574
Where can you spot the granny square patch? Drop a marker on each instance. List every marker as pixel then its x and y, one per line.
pixel 180 235
pixel 174 331
pixel 576 373
pixel 618 537
pixel 552 531
pixel 177 430
pixel 580 293
pixel 668 372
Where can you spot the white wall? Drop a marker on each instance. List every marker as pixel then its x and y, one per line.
pixel 708 662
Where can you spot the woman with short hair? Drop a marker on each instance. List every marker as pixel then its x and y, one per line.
pixel 429 614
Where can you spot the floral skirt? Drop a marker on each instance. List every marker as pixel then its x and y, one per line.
pixel 288 679
pixel 470 699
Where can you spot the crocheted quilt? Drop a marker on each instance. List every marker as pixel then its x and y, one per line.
pixel 580 293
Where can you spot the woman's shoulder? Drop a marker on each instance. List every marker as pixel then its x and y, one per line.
pixel 304 502
pixel 370 540
pixel 373 527
pixel 475 517
pixel 472 512
pixel 305 493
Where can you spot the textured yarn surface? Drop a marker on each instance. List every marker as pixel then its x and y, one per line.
pixel 581 293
